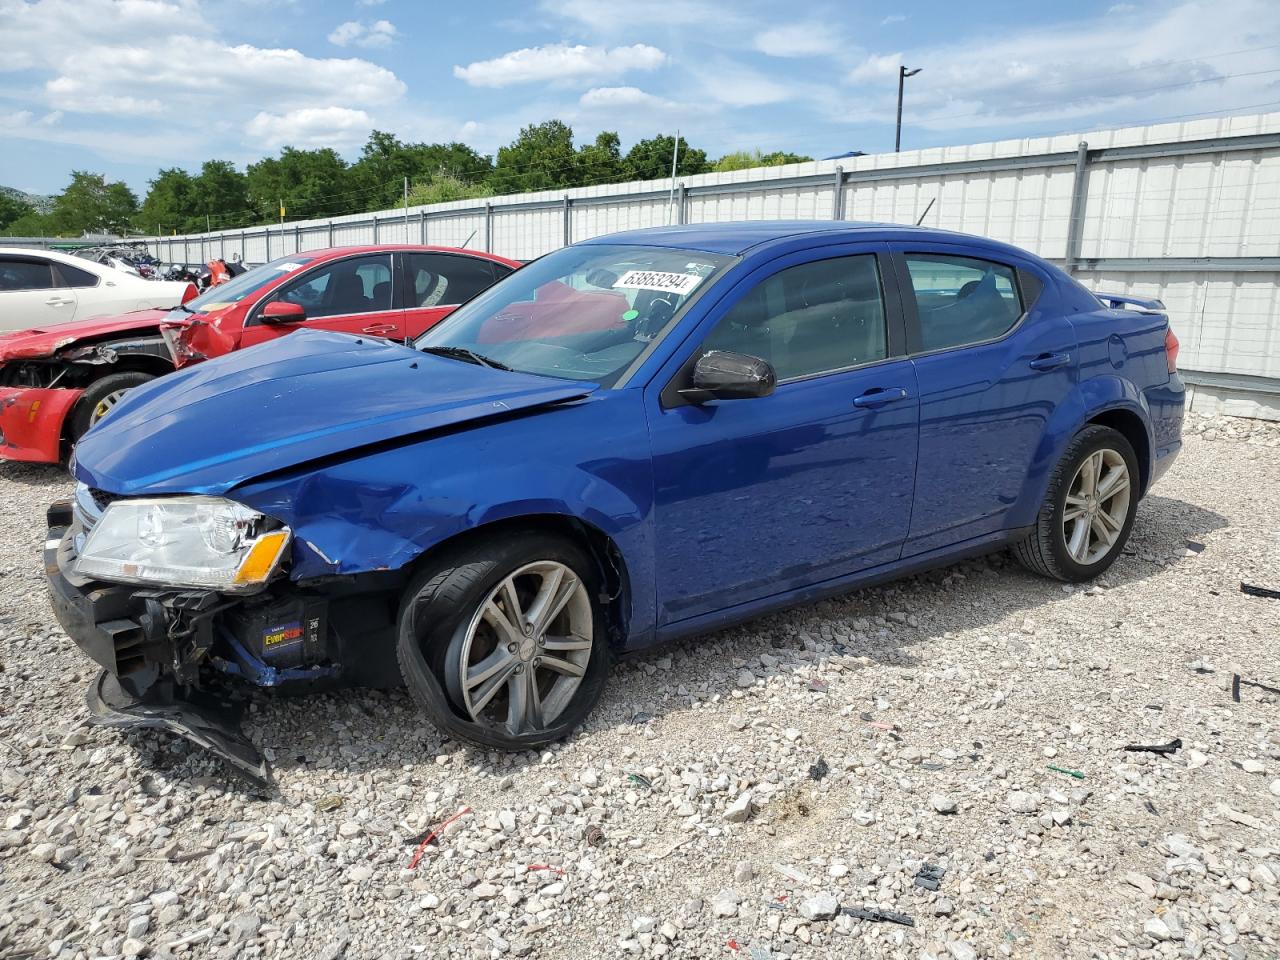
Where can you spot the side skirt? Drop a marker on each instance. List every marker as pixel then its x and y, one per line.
pixel 942 557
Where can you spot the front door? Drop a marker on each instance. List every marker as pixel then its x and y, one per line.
pixel 30 295
pixel 353 295
pixel 761 496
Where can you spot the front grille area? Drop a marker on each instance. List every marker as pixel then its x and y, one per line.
pixel 89 503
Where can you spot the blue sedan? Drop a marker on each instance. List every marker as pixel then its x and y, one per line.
pixel 635 438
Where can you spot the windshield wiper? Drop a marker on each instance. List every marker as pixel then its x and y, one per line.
pixel 183 307
pixel 470 356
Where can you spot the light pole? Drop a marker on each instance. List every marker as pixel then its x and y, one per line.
pixel 903 73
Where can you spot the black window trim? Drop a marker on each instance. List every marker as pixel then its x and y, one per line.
pixel 899 254
pixel 253 317
pixel 890 295
pixel 493 275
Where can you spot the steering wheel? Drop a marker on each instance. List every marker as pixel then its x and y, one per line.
pixel 659 314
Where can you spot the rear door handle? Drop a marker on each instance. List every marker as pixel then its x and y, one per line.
pixel 58 301
pixel 878 397
pixel 1050 361
pixel 380 329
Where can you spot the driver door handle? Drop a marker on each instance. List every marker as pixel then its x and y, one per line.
pixel 879 396
pixel 380 329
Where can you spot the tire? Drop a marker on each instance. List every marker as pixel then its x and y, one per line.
pixel 1079 553
pixel 108 388
pixel 454 613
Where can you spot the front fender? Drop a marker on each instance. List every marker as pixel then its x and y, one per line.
pixel 384 510
pixel 1088 399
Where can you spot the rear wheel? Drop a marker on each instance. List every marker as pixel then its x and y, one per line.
pixel 1088 510
pixel 503 643
pixel 101 396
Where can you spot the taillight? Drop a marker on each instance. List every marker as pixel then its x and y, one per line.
pixel 1171 349
pixel 191 293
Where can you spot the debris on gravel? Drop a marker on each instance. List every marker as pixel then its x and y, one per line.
pixel 792 781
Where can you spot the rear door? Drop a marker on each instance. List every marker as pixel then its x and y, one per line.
pixel 353 295
pixel 992 364
pixel 30 295
pixel 436 283
pixel 78 283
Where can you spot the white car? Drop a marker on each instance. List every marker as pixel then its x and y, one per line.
pixel 41 287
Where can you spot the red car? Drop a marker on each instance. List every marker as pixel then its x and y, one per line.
pixel 57 382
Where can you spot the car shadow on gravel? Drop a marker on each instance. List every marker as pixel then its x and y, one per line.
pixel 34 474
pixel 363 731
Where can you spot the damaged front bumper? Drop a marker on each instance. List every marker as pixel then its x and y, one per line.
pixel 160 648
pixel 32 421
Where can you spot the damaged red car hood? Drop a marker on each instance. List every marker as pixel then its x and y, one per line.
pixel 309 395
pixel 45 341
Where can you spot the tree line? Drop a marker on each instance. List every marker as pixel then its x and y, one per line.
pixel 306 184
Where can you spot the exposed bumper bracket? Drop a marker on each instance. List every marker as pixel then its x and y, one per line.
pixel 202 719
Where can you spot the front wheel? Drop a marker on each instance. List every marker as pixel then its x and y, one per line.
pixel 1088 510
pixel 101 396
pixel 504 641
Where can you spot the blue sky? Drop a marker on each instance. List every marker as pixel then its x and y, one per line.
pixel 125 87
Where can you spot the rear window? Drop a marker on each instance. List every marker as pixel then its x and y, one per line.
pixel 962 300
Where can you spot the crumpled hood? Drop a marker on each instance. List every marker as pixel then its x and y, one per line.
pixel 45 341
pixel 311 394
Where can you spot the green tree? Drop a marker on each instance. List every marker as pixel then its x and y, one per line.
pixel 312 183
pixel 12 208
pixel 746 159
pixel 220 192
pixel 541 158
pixel 170 203
pixel 601 162
pixel 651 159
pixel 92 205
pixel 385 162
pixel 33 224
pixel 445 189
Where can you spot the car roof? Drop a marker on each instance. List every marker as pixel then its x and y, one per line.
pixel 41 252
pixel 327 253
pixel 737 237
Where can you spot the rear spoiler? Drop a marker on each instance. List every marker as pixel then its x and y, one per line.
pixel 1120 301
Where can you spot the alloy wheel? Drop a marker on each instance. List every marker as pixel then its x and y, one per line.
pixel 1097 506
pixel 105 405
pixel 526 649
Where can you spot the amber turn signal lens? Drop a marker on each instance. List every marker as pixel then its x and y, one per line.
pixel 263 557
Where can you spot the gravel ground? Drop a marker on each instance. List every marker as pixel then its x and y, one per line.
pixel 730 793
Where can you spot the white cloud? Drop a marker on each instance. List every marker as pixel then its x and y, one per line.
pixel 336 127
pixel 876 67
pixel 734 85
pixel 608 17
pixel 1097 71
pixel 622 98
pixel 893 18
pixel 805 39
pixel 559 62
pixel 370 3
pixel 353 33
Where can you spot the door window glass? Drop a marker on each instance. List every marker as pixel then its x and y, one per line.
pixel 810 319
pixel 961 299
pixel 25 275
pixel 353 286
pixel 437 279
pixel 75 277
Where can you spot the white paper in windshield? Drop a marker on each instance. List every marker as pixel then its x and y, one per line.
pixel 287 267
pixel 680 284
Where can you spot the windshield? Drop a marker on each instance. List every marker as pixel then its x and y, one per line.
pixel 249 282
pixel 582 313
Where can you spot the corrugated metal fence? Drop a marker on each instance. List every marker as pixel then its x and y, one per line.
pixel 1188 212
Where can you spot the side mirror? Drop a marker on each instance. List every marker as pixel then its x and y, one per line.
pixel 282 311
pixel 725 375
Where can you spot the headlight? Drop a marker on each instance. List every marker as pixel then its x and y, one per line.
pixel 184 542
